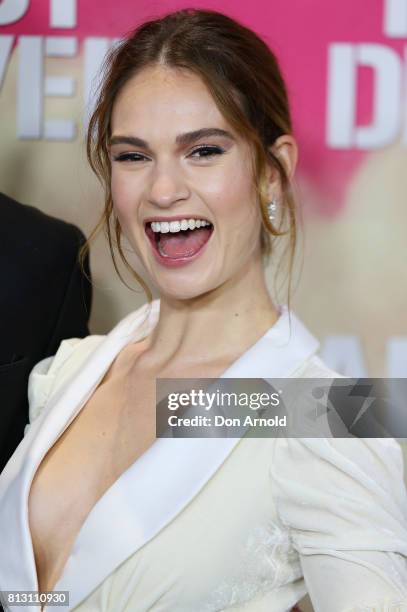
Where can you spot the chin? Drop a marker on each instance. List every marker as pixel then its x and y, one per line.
pixel 181 293
pixel 185 290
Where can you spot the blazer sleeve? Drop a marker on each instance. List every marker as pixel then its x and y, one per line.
pixel 344 503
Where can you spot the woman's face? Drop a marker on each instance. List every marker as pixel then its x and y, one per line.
pixel 160 169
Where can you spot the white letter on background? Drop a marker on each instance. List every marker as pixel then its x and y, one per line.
pixel 397 357
pixel 395 18
pixel 63 13
pixel 12 10
pixel 387 96
pixel 341 91
pixel 30 87
pixel 344 354
pixel 95 50
pixel 343 63
pixel 397 369
pixel 61 86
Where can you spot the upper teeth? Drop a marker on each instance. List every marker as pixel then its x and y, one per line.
pixel 176 226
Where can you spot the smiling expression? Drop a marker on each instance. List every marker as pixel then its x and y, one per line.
pixel 173 155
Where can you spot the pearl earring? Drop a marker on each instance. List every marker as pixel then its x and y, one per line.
pixel 271 209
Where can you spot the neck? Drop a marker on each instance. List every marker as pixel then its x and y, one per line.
pixel 217 326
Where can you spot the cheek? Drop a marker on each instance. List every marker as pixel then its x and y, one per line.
pixel 230 192
pixel 124 195
pixel 235 204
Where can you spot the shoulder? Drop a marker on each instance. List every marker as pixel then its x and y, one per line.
pixel 37 231
pixel 314 367
pixel 51 373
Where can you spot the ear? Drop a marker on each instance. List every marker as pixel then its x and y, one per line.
pixel 285 148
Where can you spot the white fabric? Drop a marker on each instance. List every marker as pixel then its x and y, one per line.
pixel 344 504
pixel 49 373
pixel 198 525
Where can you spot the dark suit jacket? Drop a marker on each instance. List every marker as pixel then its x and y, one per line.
pixel 44 299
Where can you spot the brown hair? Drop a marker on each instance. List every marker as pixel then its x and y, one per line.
pixel 244 78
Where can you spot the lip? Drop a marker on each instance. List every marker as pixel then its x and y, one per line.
pixel 174 262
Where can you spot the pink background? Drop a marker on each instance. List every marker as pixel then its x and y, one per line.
pixel 298 31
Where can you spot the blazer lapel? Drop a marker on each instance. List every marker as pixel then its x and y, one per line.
pixel 18 572
pixel 131 511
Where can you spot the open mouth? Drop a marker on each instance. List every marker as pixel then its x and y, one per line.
pixel 180 244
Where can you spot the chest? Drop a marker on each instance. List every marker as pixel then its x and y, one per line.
pixel 112 430
pixel 109 433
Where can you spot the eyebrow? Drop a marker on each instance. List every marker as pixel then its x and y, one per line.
pixel 182 139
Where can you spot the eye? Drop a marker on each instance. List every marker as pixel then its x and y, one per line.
pixel 207 151
pixel 132 157
pixel 203 152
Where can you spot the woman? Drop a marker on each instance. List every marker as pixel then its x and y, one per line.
pixel 192 123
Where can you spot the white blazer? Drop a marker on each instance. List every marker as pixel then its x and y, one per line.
pixel 338 502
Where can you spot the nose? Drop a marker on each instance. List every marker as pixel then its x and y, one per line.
pixel 167 185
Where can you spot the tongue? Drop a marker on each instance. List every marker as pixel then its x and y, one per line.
pixel 184 243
